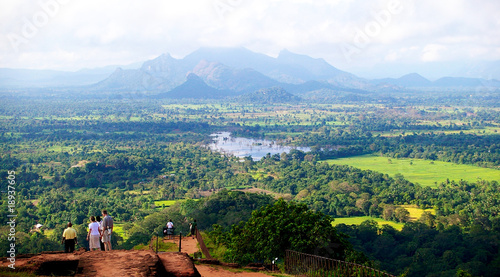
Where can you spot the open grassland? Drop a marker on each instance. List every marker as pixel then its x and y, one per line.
pixel 161 204
pixel 165 203
pixel 415 212
pixel 424 172
pixel 359 219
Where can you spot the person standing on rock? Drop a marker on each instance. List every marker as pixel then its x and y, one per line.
pixel 107 229
pixel 94 234
pixel 170 229
pixel 69 238
pixel 192 226
pixel 99 220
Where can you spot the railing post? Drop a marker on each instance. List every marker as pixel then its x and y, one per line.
pixel 157 235
pixel 180 240
pixel 302 264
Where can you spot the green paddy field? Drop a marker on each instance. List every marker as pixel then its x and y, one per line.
pixel 424 172
pixel 359 219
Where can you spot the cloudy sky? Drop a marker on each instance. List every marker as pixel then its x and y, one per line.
pixel 369 38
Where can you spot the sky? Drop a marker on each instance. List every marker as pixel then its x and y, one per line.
pixel 373 38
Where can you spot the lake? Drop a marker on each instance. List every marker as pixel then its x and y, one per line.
pixel 243 147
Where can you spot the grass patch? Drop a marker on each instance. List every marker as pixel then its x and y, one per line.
pixel 138 192
pixel 166 246
pixel 415 212
pixel 141 247
pixel 424 172
pixel 48 232
pixel 359 219
pixel 237 187
pixel 165 203
pixel 118 229
pixel 10 272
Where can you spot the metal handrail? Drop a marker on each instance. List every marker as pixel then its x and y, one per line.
pixel 302 264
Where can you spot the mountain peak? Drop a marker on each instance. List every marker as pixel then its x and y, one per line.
pixel 193 77
pixel 318 68
pixel 414 77
pixel 270 96
pixel 195 88
pixel 223 77
pixel 285 54
pixel 165 56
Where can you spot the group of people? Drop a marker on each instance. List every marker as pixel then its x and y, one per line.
pixel 169 230
pixel 99 234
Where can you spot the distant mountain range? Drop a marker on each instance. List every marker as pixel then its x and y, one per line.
pixel 221 72
pixel 269 96
pixel 235 69
pixel 415 80
pixel 195 88
pixel 35 78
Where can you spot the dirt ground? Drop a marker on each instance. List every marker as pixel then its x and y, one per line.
pixel 218 271
pixel 125 263
pixel 190 246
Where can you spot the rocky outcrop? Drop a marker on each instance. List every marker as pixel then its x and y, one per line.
pixel 116 263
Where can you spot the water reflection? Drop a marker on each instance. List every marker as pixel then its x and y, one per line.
pixel 243 147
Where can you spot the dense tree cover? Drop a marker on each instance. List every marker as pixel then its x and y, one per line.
pixel 223 209
pixel 334 142
pixel 420 250
pixel 347 130
pixel 73 158
pixel 127 180
pixel 280 226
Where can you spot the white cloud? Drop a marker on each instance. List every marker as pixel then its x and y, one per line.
pixel 433 52
pixel 95 33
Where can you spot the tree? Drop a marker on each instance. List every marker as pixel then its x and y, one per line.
pixel 428 219
pixel 402 214
pixel 280 226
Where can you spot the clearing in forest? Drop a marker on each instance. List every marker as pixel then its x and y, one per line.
pixel 424 172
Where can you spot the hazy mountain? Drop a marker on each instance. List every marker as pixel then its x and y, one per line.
pixel 239 58
pixel 194 87
pixel 464 82
pixel 409 80
pixel 325 87
pixel 308 86
pixel 415 80
pixel 234 69
pixel 269 96
pixel 305 68
pixel 287 68
pixel 485 70
pixel 35 78
pixel 32 78
pixel 160 74
pixel 223 77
